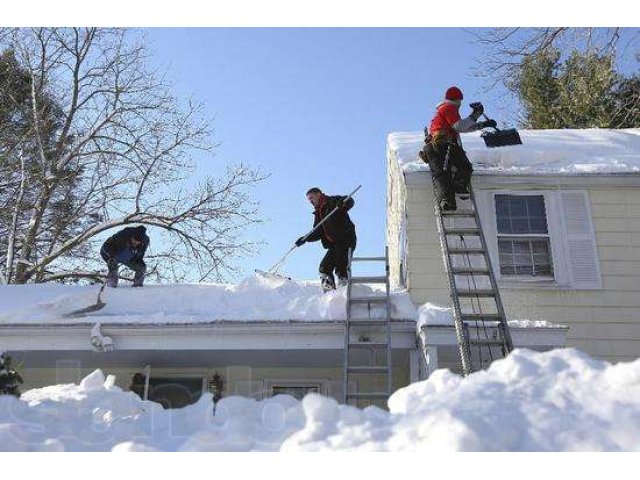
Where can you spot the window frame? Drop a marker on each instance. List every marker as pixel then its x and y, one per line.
pixel 553 208
pixel 269 384
pixel 525 236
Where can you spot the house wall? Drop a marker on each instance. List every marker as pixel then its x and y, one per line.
pixel 604 322
pixel 246 380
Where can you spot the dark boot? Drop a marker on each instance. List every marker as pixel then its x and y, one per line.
pixel 327 282
pixel 448 204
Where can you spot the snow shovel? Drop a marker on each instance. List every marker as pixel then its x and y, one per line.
pixel 273 271
pixel 99 305
pixel 499 138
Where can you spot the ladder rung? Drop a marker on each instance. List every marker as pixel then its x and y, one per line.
pixel 462 231
pixel 367 369
pixel 476 293
pixel 368 345
pixel 470 271
pixel 476 317
pixel 458 213
pixel 368 299
pixel 461 251
pixel 368 279
pixel 369 259
pixel 497 343
pixel 368 321
pixel 370 395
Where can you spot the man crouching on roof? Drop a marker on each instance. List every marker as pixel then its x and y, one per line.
pixel 450 167
pixel 337 234
pixel 128 247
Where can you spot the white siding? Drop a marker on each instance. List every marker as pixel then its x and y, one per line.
pixel 600 301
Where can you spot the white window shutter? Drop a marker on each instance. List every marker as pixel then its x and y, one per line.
pixel 581 250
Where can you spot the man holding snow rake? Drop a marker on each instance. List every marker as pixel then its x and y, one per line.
pixel 337 234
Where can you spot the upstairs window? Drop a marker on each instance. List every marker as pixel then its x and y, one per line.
pixel 524 247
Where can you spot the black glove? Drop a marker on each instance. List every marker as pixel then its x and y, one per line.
pixel 486 124
pixel 341 203
pixel 478 110
pixel 301 241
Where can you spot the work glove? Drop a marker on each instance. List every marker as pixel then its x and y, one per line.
pixel 486 124
pixel 478 110
pixel 301 241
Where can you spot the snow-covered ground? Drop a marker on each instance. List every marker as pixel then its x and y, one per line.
pixel 542 152
pixel 255 298
pixel 561 400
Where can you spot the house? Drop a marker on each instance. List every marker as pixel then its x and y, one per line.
pixel 561 217
pixel 170 343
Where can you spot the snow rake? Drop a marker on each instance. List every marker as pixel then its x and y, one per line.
pixel 99 305
pixel 273 271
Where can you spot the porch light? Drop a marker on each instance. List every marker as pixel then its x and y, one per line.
pixel 216 385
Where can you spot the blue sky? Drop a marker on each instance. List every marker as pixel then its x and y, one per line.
pixel 313 107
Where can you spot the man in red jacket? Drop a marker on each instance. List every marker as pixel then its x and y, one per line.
pixel 450 167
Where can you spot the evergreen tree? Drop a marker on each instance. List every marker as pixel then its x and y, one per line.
pixel 583 91
pixel 10 379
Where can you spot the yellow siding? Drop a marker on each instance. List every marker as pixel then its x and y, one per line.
pixel 239 380
pixel 605 323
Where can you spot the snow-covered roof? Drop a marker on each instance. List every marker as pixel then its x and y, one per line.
pixel 543 152
pixel 562 400
pixel 256 298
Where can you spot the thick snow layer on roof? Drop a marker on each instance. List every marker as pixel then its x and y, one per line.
pixel 542 152
pixel 562 400
pixel 256 298
pixel 430 315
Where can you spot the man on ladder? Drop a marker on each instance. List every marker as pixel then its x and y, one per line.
pixel 337 234
pixel 443 151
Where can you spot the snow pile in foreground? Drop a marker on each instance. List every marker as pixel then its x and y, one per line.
pixel 542 151
pixel 561 400
pixel 432 315
pixel 255 298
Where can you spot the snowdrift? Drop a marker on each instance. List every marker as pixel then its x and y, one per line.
pixel 561 400
pixel 566 151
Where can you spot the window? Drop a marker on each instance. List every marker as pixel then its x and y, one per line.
pixel 298 391
pixel 175 392
pixel 524 247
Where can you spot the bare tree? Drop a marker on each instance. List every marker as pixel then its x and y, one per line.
pixel 507 48
pixel 107 144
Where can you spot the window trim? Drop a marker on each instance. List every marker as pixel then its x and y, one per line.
pixel 269 383
pixel 552 202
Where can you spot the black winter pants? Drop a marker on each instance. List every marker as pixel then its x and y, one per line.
pixel 458 174
pixel 336 259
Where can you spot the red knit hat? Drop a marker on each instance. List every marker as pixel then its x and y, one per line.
pixel 453 93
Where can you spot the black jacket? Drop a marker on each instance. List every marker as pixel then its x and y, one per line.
pixel 338 229
pixel 121 241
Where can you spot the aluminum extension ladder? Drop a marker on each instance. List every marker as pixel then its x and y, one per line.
pixel 480 321
pixel 367 340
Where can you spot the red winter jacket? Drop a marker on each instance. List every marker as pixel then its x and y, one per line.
pixel 447 115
